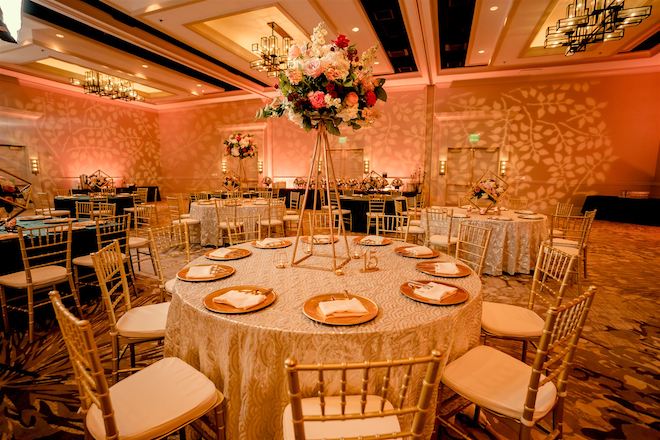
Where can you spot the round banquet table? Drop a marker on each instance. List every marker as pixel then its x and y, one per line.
pixel 514 243
pixel 244 354
pixel 205 213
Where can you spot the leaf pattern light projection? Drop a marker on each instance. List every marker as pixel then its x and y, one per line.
pixel 554 136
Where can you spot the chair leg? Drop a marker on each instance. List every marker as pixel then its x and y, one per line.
pixel 523 356
pixel 115 355
pixel 30 306
pixel 76 295
pixel 131 348
pixel 5 314
pixel 219 419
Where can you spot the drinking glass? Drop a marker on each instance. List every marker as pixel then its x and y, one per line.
pixel 280 259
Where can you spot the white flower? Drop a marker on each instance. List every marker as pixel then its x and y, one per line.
pixel 331 102
pixel 294 117
pixel 235 152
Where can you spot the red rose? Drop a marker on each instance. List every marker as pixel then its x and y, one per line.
pixel 371 98
pixel 341 41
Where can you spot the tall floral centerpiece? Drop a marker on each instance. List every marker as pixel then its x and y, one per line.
pixel 326 86
pixel 487 191
pixel 240 146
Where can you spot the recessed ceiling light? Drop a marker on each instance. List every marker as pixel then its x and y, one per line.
pixel 145 66
pixel 494 8
pixel 199 85
pixel 59 35
pixel 356 29
pixel 194 92
pixel 376 62
pixel 481 51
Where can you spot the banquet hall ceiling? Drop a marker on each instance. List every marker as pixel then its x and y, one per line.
pixel 190 50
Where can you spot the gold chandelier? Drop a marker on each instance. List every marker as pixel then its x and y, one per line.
pixel 593 21
pixel 272 55
pixel 101 84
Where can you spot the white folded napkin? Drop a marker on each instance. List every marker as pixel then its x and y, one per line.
pixel 221 252
pixel 199 272
pixel 268 242
pixel 377 239
pixel 435 291
pixel 419 251
pixel 342 308
pixel 448 268
pixel 240 300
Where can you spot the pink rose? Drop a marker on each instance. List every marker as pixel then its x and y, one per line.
pixel 313 67
pixel 294 51
pixel 351 99
pixel 317 99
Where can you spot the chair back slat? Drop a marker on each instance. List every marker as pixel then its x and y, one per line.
pixel 384 372
pixel 45 246
pixel 393 226
pixel 142 195
pixel 113 228
pixel 551 276
pixel 86 362
pixel 439 222
pixel 242 229
pixel 84 209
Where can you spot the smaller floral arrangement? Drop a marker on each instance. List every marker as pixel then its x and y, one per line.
pixel 231 182
pixel 7 188
pixel 396 182
pixel 267 181
pixel 353 183
pixel 240 145
pixel 299 182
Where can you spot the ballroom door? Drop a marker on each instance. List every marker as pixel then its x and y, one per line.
pixel 348 162
pixel 465 165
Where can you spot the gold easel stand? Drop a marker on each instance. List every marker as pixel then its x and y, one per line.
pixel 24 188
pixel 242 175
pixel 322 167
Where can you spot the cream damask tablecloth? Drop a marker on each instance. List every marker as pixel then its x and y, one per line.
pixel 514 244
pixel 244 354
pixel 206 214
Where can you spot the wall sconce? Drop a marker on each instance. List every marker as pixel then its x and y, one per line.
pixel 502 168
pixel 34 165
pixel 443 167
pixel 224 166
pixel 260 166
pixel 366 167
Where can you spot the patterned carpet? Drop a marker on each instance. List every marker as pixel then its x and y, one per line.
pixel 613 392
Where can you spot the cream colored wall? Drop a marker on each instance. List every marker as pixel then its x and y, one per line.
pixel 77 135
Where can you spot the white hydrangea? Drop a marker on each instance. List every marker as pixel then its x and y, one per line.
pixel 331 102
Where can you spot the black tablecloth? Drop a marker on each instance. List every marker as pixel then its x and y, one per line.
pixel 359 207
pixel 153 193
pixel 620 209
pixel 69 203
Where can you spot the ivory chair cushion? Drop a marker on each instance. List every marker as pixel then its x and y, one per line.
pixel 412 229
pixel 497 381
pixel 169 286
pixel 272 222
pixel 41 276
pixel 155 401
pixel 188 221
pixel 52 212
pixel 341 428
pixel 509 320
pixel 184 216
pixel 564 242
pixel 137 242
pixel 291 217
pixel 570 250
pixel 86 260
pixel 225 225
pixel 291 212
pixel 144 321
pixel 415 222
pixel 442 240
pixel 129 210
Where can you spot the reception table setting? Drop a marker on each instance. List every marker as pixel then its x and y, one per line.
pixel 382 304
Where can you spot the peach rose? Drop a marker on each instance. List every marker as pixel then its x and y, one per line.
pixel 294 51
pixel 351 99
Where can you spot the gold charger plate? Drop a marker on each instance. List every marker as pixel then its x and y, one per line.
pixel 282 244
pixel 460 296
pixel 226 308
pixel 401 250
pixel 219 272
pixel 235 254
pixel 30 218
pixel 385 242
pixel 312 311
pixel 306 239
pixel 428 267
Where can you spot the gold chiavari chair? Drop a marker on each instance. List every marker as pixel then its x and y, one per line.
pixel 276 191
pixel 318 222
pixel 439 231
pixel 414 226
pixel 265 194
pixel 109 191
pixel 472 245
pixel 564 208
pixel 199 196
pixel 507 387
pixel 138 237
pixel 343 214
pixel 549 285
pixel 84 210
pixel 224 214
pixel 170 241
pixel 292 215
pixel 136 324
pixel 177 207
pixel 386 394
pixel 103 210
pixel 376 211
pixel 572 236
pixel 107 230
pixel 43 206
pixel 46 255
pixel 294 196
pixel 393 226
pixel 175 393
pixel 275 219
pixel 243 229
